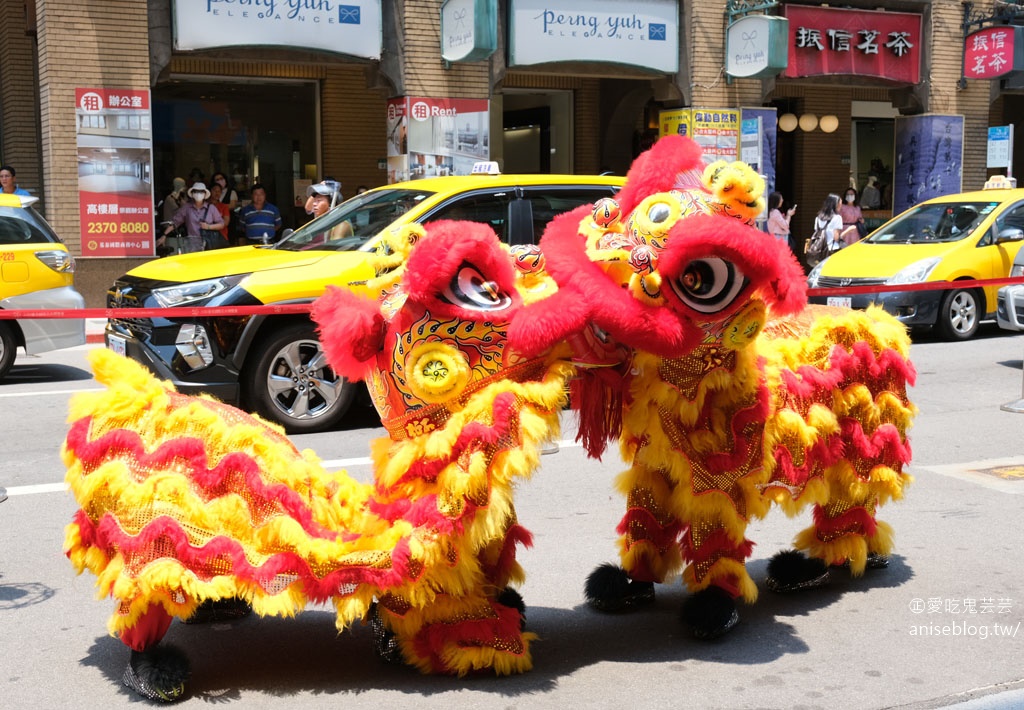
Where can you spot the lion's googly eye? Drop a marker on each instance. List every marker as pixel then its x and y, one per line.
pixel 469 289
pixel 709 285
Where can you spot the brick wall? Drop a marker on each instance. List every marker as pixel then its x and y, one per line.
pixel 18 106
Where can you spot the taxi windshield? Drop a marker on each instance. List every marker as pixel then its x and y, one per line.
pixel 351 225
pixel 935 222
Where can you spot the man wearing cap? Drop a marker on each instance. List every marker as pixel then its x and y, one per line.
pixel 260 219
pixel 323 197
pixel 196 215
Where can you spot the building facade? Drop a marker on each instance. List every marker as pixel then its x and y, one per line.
pixel 578 89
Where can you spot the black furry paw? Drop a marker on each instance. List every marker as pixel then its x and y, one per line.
pixel 511 598
pixel 791 571
pixel 211 611
pixel 710 613
pixel 385 643
pixel 158 674
pixel 610 589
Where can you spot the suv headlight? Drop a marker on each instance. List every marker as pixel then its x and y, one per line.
pixel 182 294
pixel 915 273
pixel 57 259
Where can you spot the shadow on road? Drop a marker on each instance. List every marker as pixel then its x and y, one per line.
pixel 27 372
pixel 284 657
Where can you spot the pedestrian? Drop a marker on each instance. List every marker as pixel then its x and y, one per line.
pixel 199 217
pixel 8 185
pixel 175 199
pixel 321 199
pixel 830 222
pixel 195 175
pixel 853 220
pixel 260 220
pixel 778 221
pixel 228 194
pixel 216 192
pixel 361 189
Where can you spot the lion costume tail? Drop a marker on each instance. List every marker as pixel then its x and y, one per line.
pixel 184 499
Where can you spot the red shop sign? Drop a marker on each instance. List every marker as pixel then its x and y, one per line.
pixel 993 52
pixel 824 40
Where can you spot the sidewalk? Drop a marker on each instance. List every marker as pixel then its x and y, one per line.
pixel 94 329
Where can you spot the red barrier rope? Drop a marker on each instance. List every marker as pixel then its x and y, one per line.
pixel 290 308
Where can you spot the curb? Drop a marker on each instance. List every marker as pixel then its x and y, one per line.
pixel 94 330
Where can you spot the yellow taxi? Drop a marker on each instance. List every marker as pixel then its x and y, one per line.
pixel 273 364
pixel 36 272
pixel 971 235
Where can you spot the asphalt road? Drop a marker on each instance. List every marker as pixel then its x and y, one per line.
pixel 874 642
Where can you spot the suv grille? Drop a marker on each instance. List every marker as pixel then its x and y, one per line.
pixel 837 282
pixel 128 295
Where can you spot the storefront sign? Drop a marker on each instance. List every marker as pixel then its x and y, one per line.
pixel 674 122
pixel 994 52
pixel 429 137
pixel 469 30
pixel 824 41
pixel 351 27
pixel 115 173
pixel 929 158
pixel 642 33
pixel 717 132
pixel 756 46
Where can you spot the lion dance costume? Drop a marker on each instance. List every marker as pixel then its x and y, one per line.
pixel 188 505
pixel 677 327
pixel 735 394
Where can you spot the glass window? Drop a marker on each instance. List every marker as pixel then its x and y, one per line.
pixel 937 222
pixel 549 202
pixel 23 227
pixel 490 208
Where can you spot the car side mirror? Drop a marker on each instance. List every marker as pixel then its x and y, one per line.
pixel 288 232
pixel 1010 234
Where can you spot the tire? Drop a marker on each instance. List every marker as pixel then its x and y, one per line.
pixel 959 314
pixel 289 382
pixel 8 348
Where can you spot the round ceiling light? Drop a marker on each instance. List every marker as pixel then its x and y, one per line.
pixel 808 122
pixel 787 122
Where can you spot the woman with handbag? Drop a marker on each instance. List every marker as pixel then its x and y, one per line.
pixel 828 227
pixel 201 219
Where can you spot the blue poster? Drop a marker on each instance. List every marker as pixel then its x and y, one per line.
pixel 929 158
pixel 769 125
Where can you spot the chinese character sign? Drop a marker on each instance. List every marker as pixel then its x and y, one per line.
pixel 115 174
pixel 824 41
pixel 994 52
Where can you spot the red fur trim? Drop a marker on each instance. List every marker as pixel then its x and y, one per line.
pixel 148 630
pixel 351 330
pixel 437 258
pixel 165 537
pixel 502 631
pixel 655 170
pixel 716 545
pixel 855 521
pixel 235 473
pixel 640 525
pixel 498 572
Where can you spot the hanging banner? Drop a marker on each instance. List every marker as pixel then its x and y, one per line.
pixel 351 27
pixel 826 41
pixel 756 46
pixel 429 137
pixel 769 134
pixel 929 158
pixel 115 173
pixel 469 30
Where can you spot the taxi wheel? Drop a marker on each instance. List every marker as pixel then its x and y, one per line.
pixel 959 314
pixel 8 349
pixel 290 382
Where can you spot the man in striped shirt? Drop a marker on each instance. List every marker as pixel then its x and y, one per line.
pixel 260 219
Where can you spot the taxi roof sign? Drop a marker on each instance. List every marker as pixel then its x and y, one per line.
pixel 485 167
pixel 10 200
pixel 1000 182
